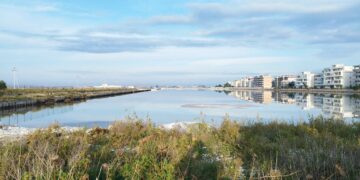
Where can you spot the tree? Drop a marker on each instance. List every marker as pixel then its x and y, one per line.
pixel 3 85
pixel 292 84
pixel 227 85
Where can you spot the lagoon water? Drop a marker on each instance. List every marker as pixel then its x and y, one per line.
pixel 169 106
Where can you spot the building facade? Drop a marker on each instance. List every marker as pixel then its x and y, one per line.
pixel 305 80
pixel 246 82
pixel 356 80
pixel 262 81
pixel 318 80
pixel 284 81
pixel 338 76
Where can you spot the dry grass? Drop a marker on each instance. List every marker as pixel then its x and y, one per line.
pixel 48 93
pixel 134 149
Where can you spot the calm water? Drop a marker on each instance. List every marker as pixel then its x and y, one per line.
pixel 171 106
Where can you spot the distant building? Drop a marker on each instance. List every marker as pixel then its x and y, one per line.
pixel 338 76
pixel 356 75
pixel 284 81
pixel 246 82
pixel 263 82
pixel 318 80
pixel 105 86
pixel 305 80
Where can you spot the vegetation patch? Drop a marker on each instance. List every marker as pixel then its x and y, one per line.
pixel 135 149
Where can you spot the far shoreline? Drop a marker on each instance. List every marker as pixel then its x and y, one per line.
pixel 310 90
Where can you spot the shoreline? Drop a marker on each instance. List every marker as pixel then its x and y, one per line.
pixel 77 95
pixel 312 91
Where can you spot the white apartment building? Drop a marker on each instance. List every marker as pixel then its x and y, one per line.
pixel 305 80
pixel 338 76
pixel 246 82
pixel 318 80
pixel 284 81
pixel 356 79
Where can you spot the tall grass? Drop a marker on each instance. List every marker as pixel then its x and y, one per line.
pixel 135 149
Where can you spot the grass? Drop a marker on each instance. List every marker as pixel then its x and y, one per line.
pixel 51 93
pixel 136 149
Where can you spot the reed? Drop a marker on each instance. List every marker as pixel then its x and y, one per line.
pixel 136 149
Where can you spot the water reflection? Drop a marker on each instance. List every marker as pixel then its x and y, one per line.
pixel 170 106
pixel 263 97
pixel 331 105
pixel 20 115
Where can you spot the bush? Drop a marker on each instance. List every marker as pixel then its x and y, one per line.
pixel 318 149
pixel 357 87
pixel 2 85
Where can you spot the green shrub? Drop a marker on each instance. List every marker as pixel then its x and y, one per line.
pixel 2 85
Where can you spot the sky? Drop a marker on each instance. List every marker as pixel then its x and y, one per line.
pixel 178 42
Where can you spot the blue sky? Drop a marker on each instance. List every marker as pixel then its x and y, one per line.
pixel 149 42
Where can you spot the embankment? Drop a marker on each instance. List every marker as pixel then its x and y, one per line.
pixel 27 98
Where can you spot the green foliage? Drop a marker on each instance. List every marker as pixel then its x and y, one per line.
pixel 2 85
pixel 292 84
pixel 357 87
pixel 133 149
pixel 227 85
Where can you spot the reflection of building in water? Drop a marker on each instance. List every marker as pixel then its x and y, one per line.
pixel 305 101
pixel 286 98
pixel 318 101
pixel 338 106
pixel 262 97
pixel 256 96
pixel 357 108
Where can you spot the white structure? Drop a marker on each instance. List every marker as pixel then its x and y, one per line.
pixel 263 81
pixel 106 86
pixel 318 80
pixel 15 80
pixel 356 79
pixel 338 76
pixel 284 81
pixel 305 80
pixel 246 82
